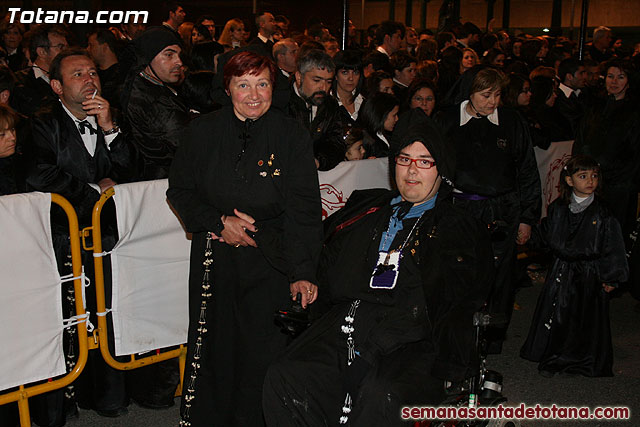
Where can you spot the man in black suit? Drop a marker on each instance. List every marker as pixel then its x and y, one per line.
pixel 267 27
pixel 572 102
pixel 311 104
pixel 79 152
pixel 33 90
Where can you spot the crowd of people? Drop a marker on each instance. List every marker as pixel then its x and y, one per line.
pixel 240 126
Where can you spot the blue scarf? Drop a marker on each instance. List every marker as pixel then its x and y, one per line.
pixel 395 223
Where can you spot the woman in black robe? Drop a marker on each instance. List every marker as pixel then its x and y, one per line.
pixel 610 133
pixel 496 176
pixel 244 183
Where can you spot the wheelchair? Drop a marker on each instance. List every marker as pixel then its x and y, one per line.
pixel 483 389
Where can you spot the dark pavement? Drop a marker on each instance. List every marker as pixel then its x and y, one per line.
pixel 522 384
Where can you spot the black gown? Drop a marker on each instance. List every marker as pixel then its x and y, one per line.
pixel 570 329
pixel 265 169
pixel 498 164
pixel 408 340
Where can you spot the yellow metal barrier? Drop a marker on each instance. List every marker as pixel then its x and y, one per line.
pixel 24 393
pixel 95 232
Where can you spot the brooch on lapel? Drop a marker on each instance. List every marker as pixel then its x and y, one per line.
pixel 269 171
pixel 501 143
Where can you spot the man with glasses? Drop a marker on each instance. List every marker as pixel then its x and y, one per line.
pixel 400 276
pixel 33 90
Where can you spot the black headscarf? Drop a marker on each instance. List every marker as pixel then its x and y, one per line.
pixel 415 125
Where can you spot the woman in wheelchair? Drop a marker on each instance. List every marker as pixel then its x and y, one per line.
pixel 401 274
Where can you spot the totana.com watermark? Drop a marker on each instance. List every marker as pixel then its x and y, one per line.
pixel 41 16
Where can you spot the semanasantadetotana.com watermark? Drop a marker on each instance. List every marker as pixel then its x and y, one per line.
pixel 41 16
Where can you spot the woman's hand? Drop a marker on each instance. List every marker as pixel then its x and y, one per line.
pixel 524 233
pixel 608 288
pixel 235 226
pixel 308 290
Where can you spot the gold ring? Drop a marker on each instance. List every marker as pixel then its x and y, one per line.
pixel 310 291
pixel 238 245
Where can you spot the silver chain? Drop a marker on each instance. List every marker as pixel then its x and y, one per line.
pixel 202 330
pixel 351 354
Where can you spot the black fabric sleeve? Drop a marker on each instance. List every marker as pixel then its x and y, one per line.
pixel 529 186
pixel 183 193
pixel 45 174
pixel 612 265
pixel 303 213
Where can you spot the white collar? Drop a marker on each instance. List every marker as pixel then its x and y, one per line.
pixel 383 138
pixel 357 102
pixel 399 82
pixel 286 73
pixel 264 39
pixel 465 117
pixel 39 74
pixel 381 50
pixel 567 90
pixel 579 199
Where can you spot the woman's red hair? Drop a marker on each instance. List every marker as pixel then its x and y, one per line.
pixel 247 63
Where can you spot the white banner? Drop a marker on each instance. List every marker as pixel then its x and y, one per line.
pixel 337 184
pixel 550 163
pixel 150 270
pixel 30 293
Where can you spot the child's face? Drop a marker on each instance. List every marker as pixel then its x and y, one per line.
pixel 583 182
pixel 355 152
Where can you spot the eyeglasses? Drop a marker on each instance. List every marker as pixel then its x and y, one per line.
pixel 420 163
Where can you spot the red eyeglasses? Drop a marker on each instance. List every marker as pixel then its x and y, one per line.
pixel 420 163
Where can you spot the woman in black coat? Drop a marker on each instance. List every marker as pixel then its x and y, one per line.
pixel 244 183
pixel 610 133
pixel 496 175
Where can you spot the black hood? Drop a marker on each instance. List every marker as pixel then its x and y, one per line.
pixel 415 125
pixel 461 90
pixel 153 41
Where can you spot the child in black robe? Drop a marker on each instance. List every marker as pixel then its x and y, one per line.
pixel 570 332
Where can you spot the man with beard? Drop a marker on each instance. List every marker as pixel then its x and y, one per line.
pixel 318 112
pixel 155 114
pixel 79 152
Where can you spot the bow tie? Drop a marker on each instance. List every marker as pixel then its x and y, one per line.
pixel 85 125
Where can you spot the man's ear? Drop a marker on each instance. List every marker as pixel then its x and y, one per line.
pixel 41 52
pixel 56 86
pixel 298 78
pixel 386 39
